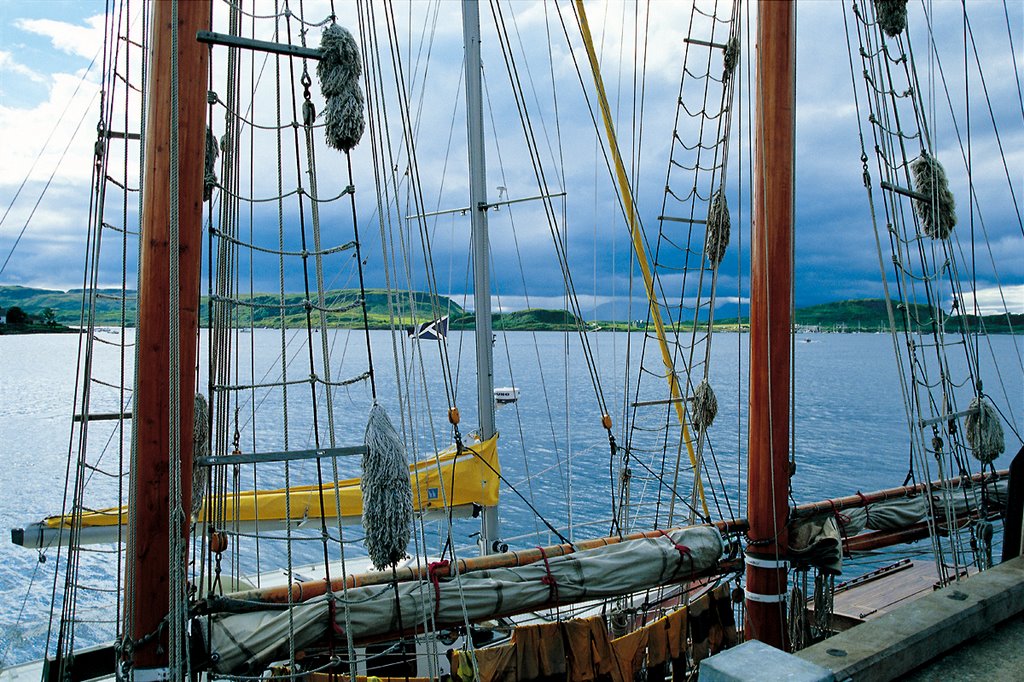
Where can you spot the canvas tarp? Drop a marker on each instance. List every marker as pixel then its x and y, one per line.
pixel 817 539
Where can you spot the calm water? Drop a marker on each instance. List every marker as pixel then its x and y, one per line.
pixel 850 432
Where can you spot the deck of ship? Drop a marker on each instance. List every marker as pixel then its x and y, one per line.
pixel 879 592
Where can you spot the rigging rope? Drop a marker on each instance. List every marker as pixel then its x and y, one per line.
pixel 705 406
pixel 210 177
pixel 716 240
pixel 899 109
pixel 641 252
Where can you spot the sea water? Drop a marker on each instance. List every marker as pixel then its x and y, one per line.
pixel 850 431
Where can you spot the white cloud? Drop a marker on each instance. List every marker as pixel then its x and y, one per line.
pixel 70 98
pixel 81 41
pixel 9 64
pixel 26 129
pixel 996 300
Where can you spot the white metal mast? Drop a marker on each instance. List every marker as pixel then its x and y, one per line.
pixel 481 248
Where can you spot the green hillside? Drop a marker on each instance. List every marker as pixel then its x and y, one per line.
pixel 342 310
pixel 66 305
pixel 533 319
pixel 262 310
pixel 872 315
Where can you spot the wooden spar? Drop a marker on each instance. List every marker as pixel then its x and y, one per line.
pixel 694 584
pixel 864 499
pixel 771 266
pixel 311 589
pixel 880 539
pixel 886 538
pixel 147 591
pixel 1013 526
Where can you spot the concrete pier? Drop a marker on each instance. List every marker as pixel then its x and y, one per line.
pixel 995 655
pixel 920 632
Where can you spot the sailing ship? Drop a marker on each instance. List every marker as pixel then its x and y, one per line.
pixel 194 512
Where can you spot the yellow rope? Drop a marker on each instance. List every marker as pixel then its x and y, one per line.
pixel 641 252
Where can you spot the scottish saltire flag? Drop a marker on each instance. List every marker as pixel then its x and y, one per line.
pixel 430 331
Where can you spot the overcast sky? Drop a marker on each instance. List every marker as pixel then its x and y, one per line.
pixel 48 90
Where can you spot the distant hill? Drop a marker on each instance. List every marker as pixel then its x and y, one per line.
pixel 16 319
pixel 533 319
pixel 262 310
pixel 342 310
pixel 872 315
pixel 66 305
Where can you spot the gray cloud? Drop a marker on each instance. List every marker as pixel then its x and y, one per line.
pixel 835 242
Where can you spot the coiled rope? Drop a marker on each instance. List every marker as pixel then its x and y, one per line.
pixel 339 70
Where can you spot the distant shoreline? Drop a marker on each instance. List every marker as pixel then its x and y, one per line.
pixel 22 329
pixel 727 328
pixel 343 310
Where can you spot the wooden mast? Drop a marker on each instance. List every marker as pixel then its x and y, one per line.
pixel 147 590
pixel 771 266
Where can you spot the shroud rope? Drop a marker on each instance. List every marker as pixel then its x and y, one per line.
pixel 705 406
pixel 200 448
pixel 210 174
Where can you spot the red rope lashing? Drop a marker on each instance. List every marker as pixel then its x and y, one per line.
pixel 549 579
pixel 436 580
pixel 867 512
pixel 332 613
pixel 841 522
pixel 842 518
pixel 684 551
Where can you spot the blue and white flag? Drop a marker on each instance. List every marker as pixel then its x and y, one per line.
pixel 430 331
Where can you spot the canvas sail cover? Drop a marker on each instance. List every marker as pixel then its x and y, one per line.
pixel 240 642
pixel 817 539
pixel 462 479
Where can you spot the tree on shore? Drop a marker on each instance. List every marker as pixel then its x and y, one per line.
pixel 16 315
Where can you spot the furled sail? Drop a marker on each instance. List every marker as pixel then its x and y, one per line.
pixel 375 610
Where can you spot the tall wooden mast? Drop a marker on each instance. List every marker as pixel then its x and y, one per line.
pixel 147 596
pixel 771 271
